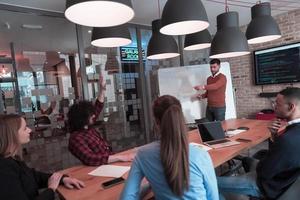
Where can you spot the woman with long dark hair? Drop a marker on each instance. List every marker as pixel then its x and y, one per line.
pixel 17 181
pixel 174 169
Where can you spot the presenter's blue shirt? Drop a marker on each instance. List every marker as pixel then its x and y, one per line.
pixel 147 163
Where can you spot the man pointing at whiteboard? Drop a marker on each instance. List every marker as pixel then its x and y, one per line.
pixel 215 93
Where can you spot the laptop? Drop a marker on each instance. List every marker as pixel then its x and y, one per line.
pixel 213 135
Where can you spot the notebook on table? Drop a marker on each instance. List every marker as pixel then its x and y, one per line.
pixel 213 135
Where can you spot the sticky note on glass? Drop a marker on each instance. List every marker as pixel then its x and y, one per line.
pixel 35 92
pixel 26 101
pixel 71 90
pixel 10 109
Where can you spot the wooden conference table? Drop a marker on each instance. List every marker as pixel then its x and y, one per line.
pixel 257 133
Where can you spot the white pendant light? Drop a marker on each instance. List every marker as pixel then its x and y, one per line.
pixel 99 13
pixel 196 41
pixel 263 27
pixel 161 46
pixel 229 40
pixel 181 17
pixel 115 36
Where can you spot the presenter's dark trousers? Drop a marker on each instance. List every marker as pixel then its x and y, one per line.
pixel 215 113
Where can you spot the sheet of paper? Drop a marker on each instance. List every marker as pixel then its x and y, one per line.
pixel 110 171
pixel 234 132
pixel 202 146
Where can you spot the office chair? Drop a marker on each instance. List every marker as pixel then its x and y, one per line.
pixel 293 193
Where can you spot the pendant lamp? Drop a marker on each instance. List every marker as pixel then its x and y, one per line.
pixel 115 36
pixel 99 13
pixel 198 40
pixel 181 17
pixel 263 27
pixel 229 41
pixel 161 46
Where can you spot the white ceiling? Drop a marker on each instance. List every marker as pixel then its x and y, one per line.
pixel 64 38
pixel 147 10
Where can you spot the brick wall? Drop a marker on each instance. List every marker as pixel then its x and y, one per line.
pixel 242 70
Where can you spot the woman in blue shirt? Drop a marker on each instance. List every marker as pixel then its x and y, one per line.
pixel 174 169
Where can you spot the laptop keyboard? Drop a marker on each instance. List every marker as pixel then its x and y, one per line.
pixel 218 141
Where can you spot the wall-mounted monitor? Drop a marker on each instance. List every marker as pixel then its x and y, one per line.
pixel 277 64
pixel 130 54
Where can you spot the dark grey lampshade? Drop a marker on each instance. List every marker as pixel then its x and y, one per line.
pixel 115 36
pixel 161 46
pixel 181 17
pixel 229 41
pixel 198 40
pixel 263 27
pixel 99 13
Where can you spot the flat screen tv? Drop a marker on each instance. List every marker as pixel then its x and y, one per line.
pixel 277 65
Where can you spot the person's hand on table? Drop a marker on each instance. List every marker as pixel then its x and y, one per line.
pixel 72 183
pixel 54 180
pixel 127 157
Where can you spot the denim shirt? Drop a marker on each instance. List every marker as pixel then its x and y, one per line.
pixel 147 163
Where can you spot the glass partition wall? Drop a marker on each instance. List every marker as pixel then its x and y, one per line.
pixel 43 77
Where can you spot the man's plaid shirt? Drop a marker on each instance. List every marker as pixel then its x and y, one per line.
pixel 88 146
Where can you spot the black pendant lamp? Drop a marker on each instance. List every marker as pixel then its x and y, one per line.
pixel 229 41
pixel 99 13
pixel 196 41
pixel 115 36
pixel 263 27
pixel 161 46
pixel 181 17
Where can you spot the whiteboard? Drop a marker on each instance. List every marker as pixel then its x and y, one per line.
pixel 179 82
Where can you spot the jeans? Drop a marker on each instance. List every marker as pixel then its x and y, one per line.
pixel 244 184
pixel 215 113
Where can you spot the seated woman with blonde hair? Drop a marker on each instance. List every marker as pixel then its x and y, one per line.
pixel 17 180
pixel 174 169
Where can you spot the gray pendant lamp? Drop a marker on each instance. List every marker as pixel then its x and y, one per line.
pixel 115 36
pixel 198 40
pixel 181 17
pixel 99 13
pixel 229 41
pixel 161 46
pixel 263 27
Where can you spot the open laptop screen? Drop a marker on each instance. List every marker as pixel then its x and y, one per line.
pixel 211 131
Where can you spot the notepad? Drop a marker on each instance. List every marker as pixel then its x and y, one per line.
pixel 202 146
pixel 234 132
pixel 110 171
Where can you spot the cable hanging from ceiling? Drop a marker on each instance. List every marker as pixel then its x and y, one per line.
pixel 229 41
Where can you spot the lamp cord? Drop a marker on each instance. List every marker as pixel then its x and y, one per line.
pixel 158 5
pixel 226 6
